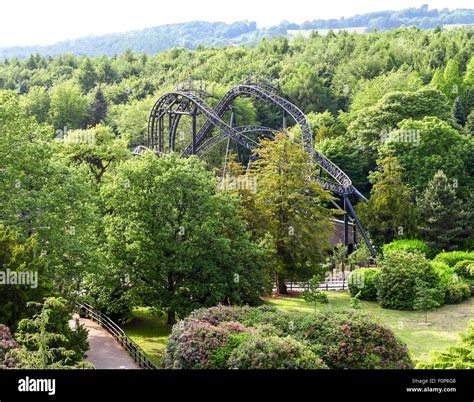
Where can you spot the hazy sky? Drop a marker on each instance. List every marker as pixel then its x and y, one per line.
pixel 29 22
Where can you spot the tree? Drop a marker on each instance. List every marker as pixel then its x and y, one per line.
pixel 48 339
pixel 41 196
pixel 181 242
pixel 456 357
pixel 452 83
pixel 309 91
pixel 97 147
pixel 443 217
pixel 98 108
pixel 425 146
pixel 291 206
pixel 390 211
pixel 313 294
pixel 36 104
pixel 367 129
pixel 369 92
pixel 19 259
pixel 426 298
pixel 459 112
pixel 86 75
pixel 69 107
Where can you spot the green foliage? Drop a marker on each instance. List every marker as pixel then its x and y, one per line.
pixel 390 211
pixel 42 197
pixel 465 269
pixel 355 301
pixel 47 338
pixel 291 208
pixel 371 125
pixel 313 294
pixel 352 340
pixel 362 282
pixel 188 247
pixel 408 245
pixel 18 259
pixel 69 107
pixel 97 147
pixel 271 339
pixel 273 352
pixel 396 284
pixel 453 257
pixel 459 357
pixel 436 146
pixel 426 297
pixel 370 91
pixel 457 292
pixel 445 220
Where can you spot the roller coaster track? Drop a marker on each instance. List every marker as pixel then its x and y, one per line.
pixel 181 102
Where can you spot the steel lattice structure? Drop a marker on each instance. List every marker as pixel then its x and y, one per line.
pixel 167 112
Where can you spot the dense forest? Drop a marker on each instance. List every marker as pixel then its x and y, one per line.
pixel 191 35
pixel 395 110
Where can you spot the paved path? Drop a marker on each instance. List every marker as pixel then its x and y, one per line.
pixel 104 351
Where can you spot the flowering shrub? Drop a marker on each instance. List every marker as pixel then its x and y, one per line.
pixel 363 280
pixel 218 314
pixel 194 344
pixel 7 344
pixel 260 352
pixel 270 339
pixel 396 284
pixel 352 340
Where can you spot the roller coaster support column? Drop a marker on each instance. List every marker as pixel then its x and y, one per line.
pixel 194 132
pixel 348 205
pixel 346 223
pixel 284 120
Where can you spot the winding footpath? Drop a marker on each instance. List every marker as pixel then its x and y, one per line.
pixel 104 351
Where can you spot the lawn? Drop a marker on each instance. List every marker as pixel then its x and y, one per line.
pixel 442 330
pixel 148 331
pixel 151 332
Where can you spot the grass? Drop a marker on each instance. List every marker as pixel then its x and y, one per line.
pixel 444 324
pixel 148 331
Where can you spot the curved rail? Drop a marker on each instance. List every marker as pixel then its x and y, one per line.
pixel 181 102
pixel 135 352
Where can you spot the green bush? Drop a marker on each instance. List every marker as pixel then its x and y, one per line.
pixel 268 338
pixel 363 280
pixel 459 357
pixel 408 245
pixel 452 257
pixel 465 269
pixel 396 283
pixel 259 352
pixel 353 340
pixel 457 292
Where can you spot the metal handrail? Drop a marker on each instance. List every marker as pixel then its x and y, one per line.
pixel 137 354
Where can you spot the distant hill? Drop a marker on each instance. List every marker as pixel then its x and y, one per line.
pixel 193 34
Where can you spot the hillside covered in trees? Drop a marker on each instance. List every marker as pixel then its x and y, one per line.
pixel 191 35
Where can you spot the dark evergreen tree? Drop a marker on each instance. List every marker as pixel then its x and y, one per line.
pixel 444 219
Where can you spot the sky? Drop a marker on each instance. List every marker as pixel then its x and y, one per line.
pixel 40 22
